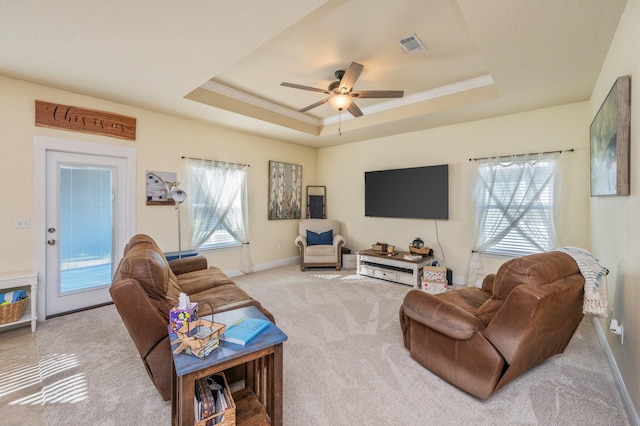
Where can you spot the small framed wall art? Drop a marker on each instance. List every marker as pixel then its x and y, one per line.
pixel 285 191
pixel 157 189
pixel 610 136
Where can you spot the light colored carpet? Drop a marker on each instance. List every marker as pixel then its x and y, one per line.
pixel 344 364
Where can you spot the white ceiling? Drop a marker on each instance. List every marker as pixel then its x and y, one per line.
pixel 223 61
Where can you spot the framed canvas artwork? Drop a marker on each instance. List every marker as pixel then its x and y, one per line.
pixel 609 145
pixel 285 191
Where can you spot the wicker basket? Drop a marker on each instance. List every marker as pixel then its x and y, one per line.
pixel 199 338
pixel 229 414
pixel 423 251
pixel 12 312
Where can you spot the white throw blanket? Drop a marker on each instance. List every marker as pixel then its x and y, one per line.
pixel 595 281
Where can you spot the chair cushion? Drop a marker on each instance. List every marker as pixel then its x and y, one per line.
pixel 322 239
pixel 320 250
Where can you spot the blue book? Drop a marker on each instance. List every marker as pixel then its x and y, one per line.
pixel 243 331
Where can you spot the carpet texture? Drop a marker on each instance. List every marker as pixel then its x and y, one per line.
pixel 344 364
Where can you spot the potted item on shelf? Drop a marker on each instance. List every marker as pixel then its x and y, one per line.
pixel 417 243
pixel 417 247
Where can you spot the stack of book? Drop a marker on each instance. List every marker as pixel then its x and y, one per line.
pixel 412 257
pixel 244 330
pixel 208 348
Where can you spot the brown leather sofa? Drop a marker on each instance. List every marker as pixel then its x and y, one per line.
pixel 479 339
pixel 146 286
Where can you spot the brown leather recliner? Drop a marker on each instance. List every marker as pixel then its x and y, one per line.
pixel 479 339
pixel 146 286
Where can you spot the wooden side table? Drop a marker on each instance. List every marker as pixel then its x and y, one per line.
pixel 262 396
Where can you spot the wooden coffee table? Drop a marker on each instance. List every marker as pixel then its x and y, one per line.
pixel 260 402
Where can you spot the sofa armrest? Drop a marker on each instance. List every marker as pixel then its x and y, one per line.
pixel 141 318
pixel 188 264
pixel 441 315
pixel 487 283
pixel 301 241
pixel 338 241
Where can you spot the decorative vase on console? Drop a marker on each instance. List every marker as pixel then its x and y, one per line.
pixel 417 243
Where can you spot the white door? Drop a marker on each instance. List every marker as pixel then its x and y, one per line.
pixel 84 211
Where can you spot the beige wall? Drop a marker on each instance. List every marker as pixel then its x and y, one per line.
pixel 160 143
pixel 342 169
pixel 615 226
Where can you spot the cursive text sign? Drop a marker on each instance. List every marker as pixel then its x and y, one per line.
pixel 85 120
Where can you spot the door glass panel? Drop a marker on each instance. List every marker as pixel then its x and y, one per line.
pixel 86 225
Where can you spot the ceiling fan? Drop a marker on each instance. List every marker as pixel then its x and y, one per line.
pixel 341 92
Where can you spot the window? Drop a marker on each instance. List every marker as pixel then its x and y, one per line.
pixel 514 200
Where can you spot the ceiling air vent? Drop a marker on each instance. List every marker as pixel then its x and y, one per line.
pixel 412 44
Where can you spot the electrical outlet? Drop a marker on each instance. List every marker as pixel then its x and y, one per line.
pixel 616 328
pixel 279 246
pixel 22 223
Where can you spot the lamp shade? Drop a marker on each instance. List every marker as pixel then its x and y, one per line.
pixel 340 101
pixel 179 195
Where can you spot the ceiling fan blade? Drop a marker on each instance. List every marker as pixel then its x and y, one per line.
pixel 324 101
pixel 350 76
pixel 378 94
pixel 299 86
pixel 354 110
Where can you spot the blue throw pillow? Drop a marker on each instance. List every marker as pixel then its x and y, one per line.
pixel 322 239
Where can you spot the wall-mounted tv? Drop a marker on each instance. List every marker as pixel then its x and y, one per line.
pixel 417 192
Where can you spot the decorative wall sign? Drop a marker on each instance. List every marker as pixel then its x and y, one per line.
pixel 157 189
pixel 610 135
pixel 285 191
pixel 85 120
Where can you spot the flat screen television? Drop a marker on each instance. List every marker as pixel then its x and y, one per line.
pixel 417 193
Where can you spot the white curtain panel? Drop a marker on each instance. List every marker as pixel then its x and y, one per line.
pixel 511 200
pixel 476 271
pixel 214 187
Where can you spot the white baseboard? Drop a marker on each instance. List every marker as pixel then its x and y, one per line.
pixel 627 403
pixel 458 280
pixel 264 266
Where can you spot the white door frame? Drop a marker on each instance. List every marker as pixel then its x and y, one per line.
pixel 42 144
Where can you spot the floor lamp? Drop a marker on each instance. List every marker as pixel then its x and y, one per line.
pixel 178 196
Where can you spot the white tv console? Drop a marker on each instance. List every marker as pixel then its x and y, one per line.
pixel 391 267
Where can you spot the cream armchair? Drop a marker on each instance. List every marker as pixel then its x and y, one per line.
pixel 320 243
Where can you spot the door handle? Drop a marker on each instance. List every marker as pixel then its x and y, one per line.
pixel 51 242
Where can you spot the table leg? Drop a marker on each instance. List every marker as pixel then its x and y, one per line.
pixel 34 312
pixel 174 396
pixel 186 391
pixel 276 386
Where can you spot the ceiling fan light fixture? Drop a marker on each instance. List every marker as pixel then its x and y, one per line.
pixel 340 101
